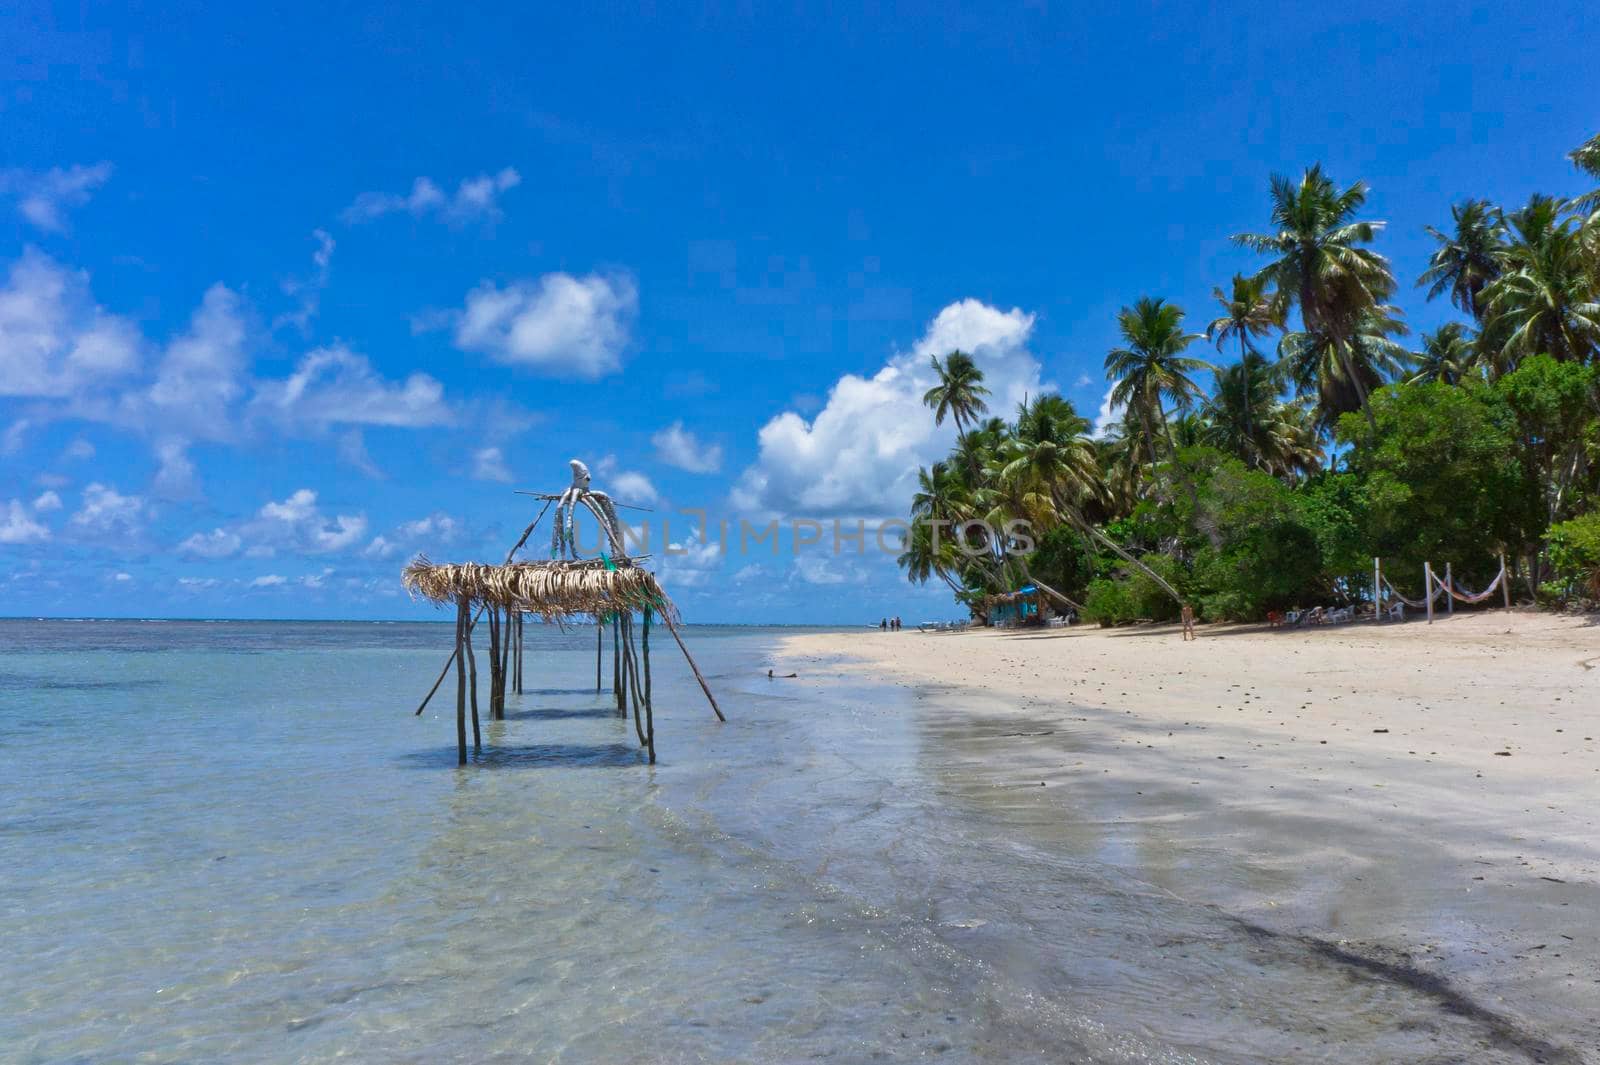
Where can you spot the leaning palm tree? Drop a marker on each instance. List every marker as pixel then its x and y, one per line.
pixel 1448 354
pixel 959 393
pixel 1319 261
pixel 1339 375
pixel 1548 300
pixel 1470 258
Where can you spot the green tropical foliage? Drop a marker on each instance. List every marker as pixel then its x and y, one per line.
pixel 1321 441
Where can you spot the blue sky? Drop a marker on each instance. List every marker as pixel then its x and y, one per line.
pixel 287 297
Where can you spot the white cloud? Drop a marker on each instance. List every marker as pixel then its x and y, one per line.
pixel 43 196
pixel 559 324
pixel 308 291
pixel 436 526
pixel 79 449
pixel 270 580
pixel 488 464
pixel 474 198
pixel 54 341
pixel 298 522
pixel 201 373
pixel 18 527
pixel 691 564
pixel 123 578
pixel 1083 381
pixel 218 543
pixel 381 547
pixel 47 500
pixel 819 569
pixel 631 487
pixel 336 386
pixel 859 455
pixel 106 511
pixel 198 584
pixel 676 446
pixel 1109 413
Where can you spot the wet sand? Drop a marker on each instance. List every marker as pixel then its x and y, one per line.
pixel 1419 804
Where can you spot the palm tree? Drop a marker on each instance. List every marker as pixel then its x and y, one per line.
pixel 1319 262
pixel 1469 259
pixel 1244 418
pixel 959 393
pixel 1548 300
pixel 1340 375
pixel 1448 354
pixel 1251 310
pixel 1152 369
pixel 1586 157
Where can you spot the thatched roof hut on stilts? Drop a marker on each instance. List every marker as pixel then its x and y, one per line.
pixel 610 589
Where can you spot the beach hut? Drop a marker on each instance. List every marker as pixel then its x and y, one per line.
pixel 1021 607
pixel 612 590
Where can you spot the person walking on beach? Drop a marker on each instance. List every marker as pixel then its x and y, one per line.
pixel 1188 623
pixel 884 624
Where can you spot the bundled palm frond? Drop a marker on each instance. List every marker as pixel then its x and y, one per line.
pixel 556 589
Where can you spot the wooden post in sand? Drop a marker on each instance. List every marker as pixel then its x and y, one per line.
pixel 599 649
pixel 1427 588
pixel 1449 590
pixel 462 620
pixel 1505 581
pixel 1377 595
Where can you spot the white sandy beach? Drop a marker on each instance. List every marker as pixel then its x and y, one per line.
pixel 1423 798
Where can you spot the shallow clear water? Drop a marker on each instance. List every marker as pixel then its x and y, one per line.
pixel 233 841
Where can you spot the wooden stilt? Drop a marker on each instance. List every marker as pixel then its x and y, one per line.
pixel 616 663
pixel 461 684
pixel 666 617
pixel 494 661
pixel 506 667
pixel 1427 588
pixel 1377 591
pixel 633 679
pixel 519 652
pixel 472 691
pixel 599 649
pixel 649 715
pixel 1505 581
pixel 1449 590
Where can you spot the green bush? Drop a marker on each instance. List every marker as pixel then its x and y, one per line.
pixel 1107 602
pixel 1575 556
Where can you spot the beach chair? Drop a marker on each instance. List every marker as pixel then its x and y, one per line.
pixel 1294 619
pixel 1316 616
pixel 1396 611
pixel 1340 616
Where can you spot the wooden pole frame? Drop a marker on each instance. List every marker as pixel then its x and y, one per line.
pixel 1427 588
pixel 1449 590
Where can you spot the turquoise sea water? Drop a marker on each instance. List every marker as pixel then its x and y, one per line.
pixel 234 842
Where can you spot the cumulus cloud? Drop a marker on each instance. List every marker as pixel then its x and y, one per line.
pixel 691 564
pixel 336 386
pixel 54 341
pixel 677 446
pixel 475 198
pixel 218 543
pixel 859 455
pixel 105 511
pixel 269 580
pixel 17 525
pixel 43 196
pixel 46 500
pixel 560 325
pixel 489 464
pixel 625 486
pixel 1109 414
pixel 298 523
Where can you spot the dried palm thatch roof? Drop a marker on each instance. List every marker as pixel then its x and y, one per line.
pixel 555 589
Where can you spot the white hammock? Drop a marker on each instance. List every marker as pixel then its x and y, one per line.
pixel 1481 596
pixel 1416 604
